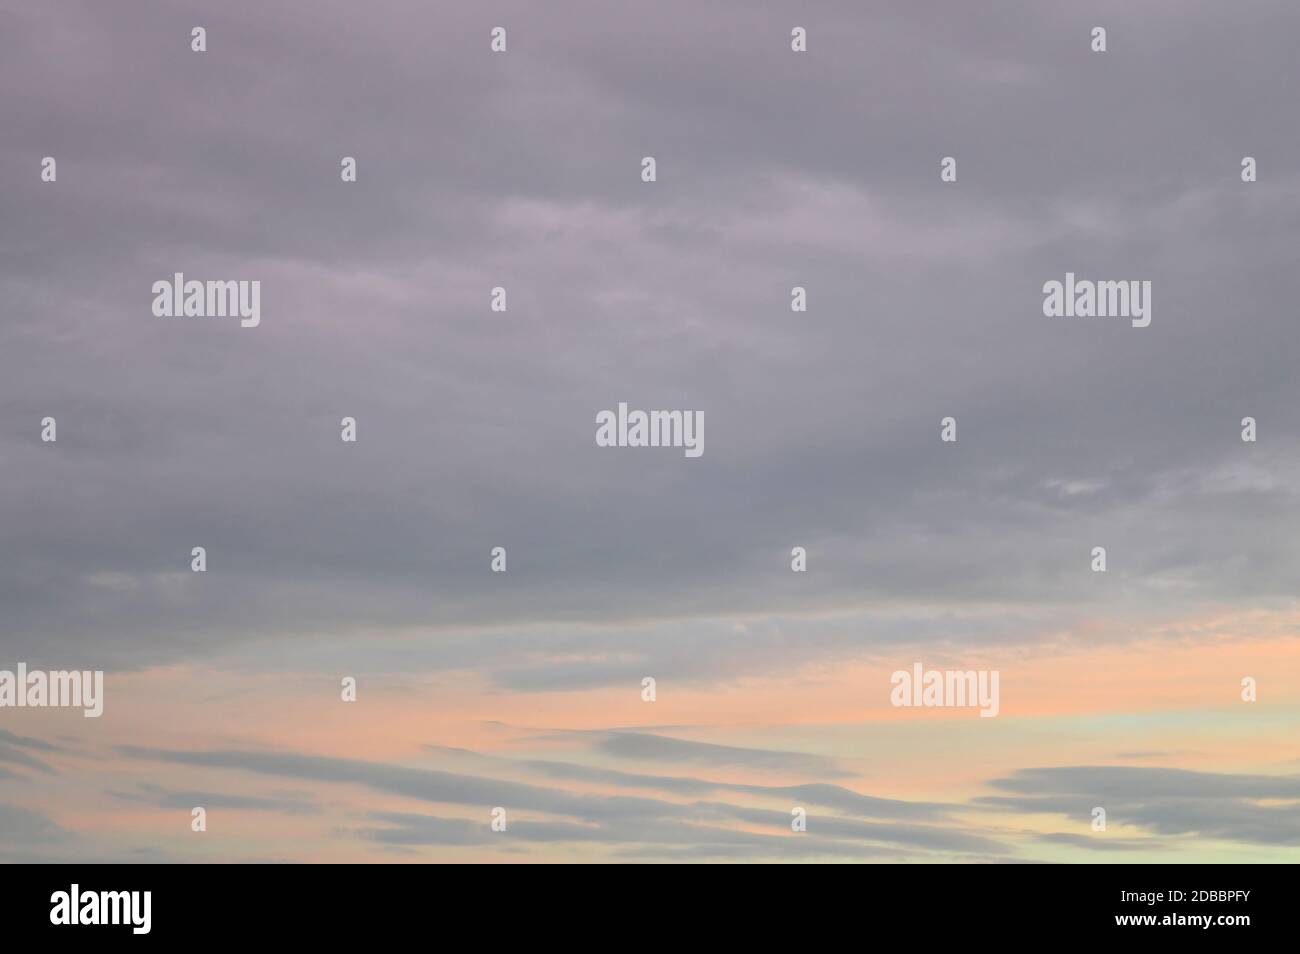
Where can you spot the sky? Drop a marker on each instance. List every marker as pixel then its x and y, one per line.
pixel 523 690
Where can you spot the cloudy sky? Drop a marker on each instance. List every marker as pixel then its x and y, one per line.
pixel 476 429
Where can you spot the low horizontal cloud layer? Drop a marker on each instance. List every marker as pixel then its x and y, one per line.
pixel 1260 809
pixel 1165 807
pixel 611 819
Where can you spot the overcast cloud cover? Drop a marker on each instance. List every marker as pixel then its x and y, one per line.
pixel 476 429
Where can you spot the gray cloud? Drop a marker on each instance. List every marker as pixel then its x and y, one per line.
pixel 424 784
pixel 914 836
pixel 1172 802
pixel 823 794
pixel 476 429
pixel 16 754
pixel 604 819
pixel 640 838
pixel 835 797
pixel 1135 782
pixel 1099 842
pixel 23 829
pixel 406 828
pixel 28 742
pixel 186 800
pixel 660 748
